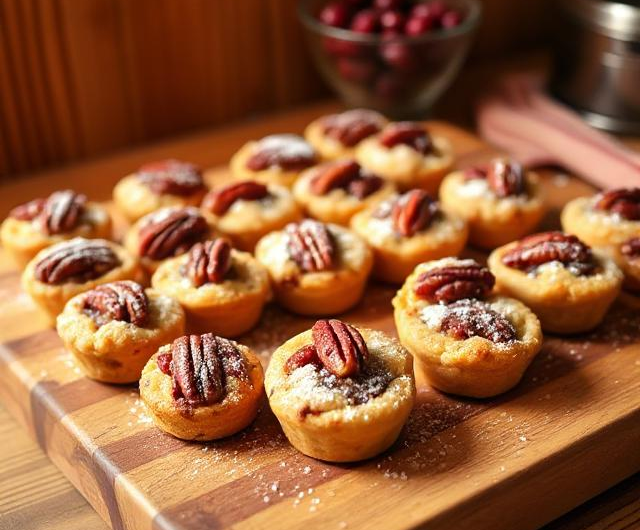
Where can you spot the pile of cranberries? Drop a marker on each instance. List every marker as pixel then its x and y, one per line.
pixel 390 18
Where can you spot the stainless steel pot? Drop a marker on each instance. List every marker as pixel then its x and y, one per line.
pixel 597 61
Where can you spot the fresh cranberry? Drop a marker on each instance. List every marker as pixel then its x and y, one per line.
pixel 451 19
pixel 335 14
pixel 422 9
pixel 387 4
pixel 365 21
pixel 398 55
pixel 392 20
pixel 356 70
pixel 342 48
pixel 438 8
pixel 418 25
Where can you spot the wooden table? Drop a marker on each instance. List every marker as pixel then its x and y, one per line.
pixel 34 494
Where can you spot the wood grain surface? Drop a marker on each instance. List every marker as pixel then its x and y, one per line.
pixel 569 431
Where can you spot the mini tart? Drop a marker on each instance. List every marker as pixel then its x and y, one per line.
pixel 22 234
pixel 228 307
pixel 52 297
pixel 207 421
pixel 404 165
pixel 288 155
pixel 627 257
pixel 332 290
pixel 159 185
pixel 397 254
pixel 475 366
pixel 113 350
pixel 339 202
pixel 342 419
pixel 245 219
pixel 493 219
pixel 167 221
pixel 600 224
pixel 565 300
pixel 337 135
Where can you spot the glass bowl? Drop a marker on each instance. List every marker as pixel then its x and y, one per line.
pixel 401 76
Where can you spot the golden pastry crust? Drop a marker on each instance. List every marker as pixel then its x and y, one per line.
pixel 564 302
pixel 227 309
pixel 24 239
pixel 209 422
pixel 406 167
pixel 630 267
pixel 245 222
pixel 117 351
pixel 474 367
pixel 330 148
pixel 337 431
pixel 597 228
pixel 132 239
pixel 52 298
pixel 493 220
pixel 271 175
pixel 135 199
pixel 327 292
pixel 338 206
pixel 396 256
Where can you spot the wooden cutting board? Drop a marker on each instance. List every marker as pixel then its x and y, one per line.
pixel 570 430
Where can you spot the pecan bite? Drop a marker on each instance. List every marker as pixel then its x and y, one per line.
pixel 455 282
pixel 535 250
pixel 472 318
pixel 310 245
pixel 407 133
pixel 171 233
pixel 337 346
pixel 28 211
pixel 172 177
pixel 208 262
pixel 288 152
pixel 506 178
pixel 624 201
pixel 76 261
pixel 125 301
pixel 351 127
pixel 347 175
pixel 200 366
pixel 412 212
pixel 219 201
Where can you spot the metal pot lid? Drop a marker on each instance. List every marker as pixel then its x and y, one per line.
pixel 620 19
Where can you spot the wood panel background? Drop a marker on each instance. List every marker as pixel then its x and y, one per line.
pixel 79 78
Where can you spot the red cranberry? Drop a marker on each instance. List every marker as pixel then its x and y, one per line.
pixel 438 8
pixel 359 71
pixel 387 4
pixel 335 14
pixel 398 55
pixel 418 25
pixel 422 9
pixel 392 20
pixel 451 19
pixel 365 21
pixel 342 48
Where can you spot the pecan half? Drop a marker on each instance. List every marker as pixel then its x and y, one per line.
pixel 310 245
pixel 535 250
pixel 61 212
pixel 624 201
pixel 76 261
pixel 472 318
pixel 171 232
pixel 631 248
pixel 305 355
pixel 209 261
pixel 353 126
pixel 506 178
pixel 171 177
pixel 219 201
pixel 125 301
pixel 286 151
pixel 200 366
pixel 455 282
pixel 347 175
pixel 28 211
pixel 412 212
pixel 408 133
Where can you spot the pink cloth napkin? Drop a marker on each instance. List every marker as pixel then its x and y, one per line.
pixel 521 119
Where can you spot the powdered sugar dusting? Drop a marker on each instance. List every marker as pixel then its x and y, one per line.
pixel 288 145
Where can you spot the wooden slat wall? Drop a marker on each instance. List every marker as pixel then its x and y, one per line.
pixel 84 77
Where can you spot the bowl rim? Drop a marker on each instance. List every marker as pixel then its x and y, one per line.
pixel 469 23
